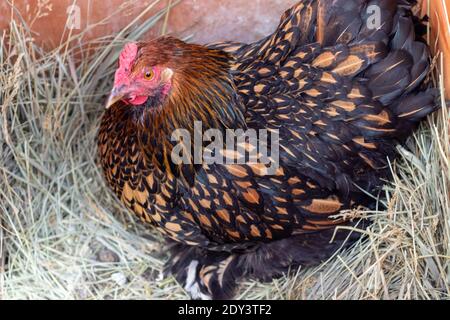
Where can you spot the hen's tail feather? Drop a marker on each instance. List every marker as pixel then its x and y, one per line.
pixel 338 21
pixel 343 21
pixel 391 77
pixel 404 69
pixel 412 109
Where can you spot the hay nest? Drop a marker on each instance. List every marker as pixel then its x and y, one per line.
pixel 63 235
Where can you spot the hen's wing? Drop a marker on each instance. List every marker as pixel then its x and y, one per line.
pixel 338 88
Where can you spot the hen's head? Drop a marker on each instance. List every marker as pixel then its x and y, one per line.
pixel 168 84
pixel 151 72
pixel 140 78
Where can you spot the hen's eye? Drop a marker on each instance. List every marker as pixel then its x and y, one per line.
pixel 149 74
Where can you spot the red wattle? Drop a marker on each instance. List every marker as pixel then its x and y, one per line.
pixel 138 100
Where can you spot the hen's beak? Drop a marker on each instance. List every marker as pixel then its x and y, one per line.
pixel 115 96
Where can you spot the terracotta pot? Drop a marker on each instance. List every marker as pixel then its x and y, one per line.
pixel 206 20
pixel 439 13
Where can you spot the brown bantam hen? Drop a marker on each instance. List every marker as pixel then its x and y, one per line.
pixel 340 81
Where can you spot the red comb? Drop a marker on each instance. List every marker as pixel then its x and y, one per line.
pixel 126 59
pixel 127 56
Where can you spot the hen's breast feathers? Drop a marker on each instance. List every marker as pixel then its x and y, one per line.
pixel 341 95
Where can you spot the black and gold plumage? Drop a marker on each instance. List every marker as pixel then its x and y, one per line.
pixel 341 93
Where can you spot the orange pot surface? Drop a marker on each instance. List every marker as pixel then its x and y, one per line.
pixel 438 11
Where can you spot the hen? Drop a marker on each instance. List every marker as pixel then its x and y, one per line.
pixel 338 89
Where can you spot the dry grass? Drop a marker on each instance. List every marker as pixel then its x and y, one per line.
pixel 64 236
